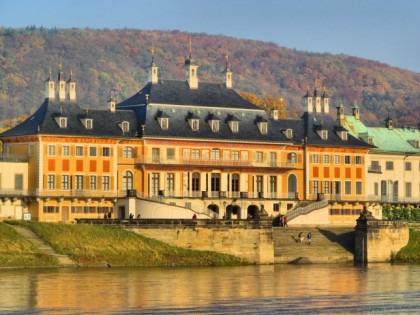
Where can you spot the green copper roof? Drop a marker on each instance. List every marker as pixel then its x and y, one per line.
pixel 392 140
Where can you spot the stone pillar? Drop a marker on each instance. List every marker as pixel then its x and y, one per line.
pixel 377 240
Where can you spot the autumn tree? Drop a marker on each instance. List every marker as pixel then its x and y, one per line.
pixel 267 102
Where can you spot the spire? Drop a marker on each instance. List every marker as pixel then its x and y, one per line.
pixel 317 97
pixel 326 101
pixel 356 111
pixel 153 69
pixel 308 106
pixel 50 87
pixel 191 70
pixel 71 87
pixel 61 84
pixel 340 113
pixel 111 102
pixel 227 72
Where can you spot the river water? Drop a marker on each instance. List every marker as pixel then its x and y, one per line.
pixel 282 289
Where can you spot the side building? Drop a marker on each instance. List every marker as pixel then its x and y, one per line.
pixel 393 166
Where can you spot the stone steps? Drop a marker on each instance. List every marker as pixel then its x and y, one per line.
pixel 328 244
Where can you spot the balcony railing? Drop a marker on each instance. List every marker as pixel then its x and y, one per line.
pixel 215 162
pixel 374 169
pixel 14 158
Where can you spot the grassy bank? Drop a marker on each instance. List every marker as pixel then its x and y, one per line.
pixel 92 245
pixel 411 252
pixel 16 251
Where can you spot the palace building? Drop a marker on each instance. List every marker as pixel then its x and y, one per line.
pixel 179 148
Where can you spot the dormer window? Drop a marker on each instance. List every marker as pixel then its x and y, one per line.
pixel 124 126
pixel 288 133
pixel 61 122
pixel 214 125
pixel 415 143
pixel 343 135
pixel 164 123
pixel 263 127
pixel 194 124
pixel 234 126
pixel 87 123
pixel 323 134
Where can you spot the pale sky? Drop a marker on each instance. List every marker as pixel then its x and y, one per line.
pixel 381 30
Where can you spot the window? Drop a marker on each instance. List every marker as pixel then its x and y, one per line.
pixel 128 181
pixel 315 158
pixel 62 122
pixel 127 152
pixel 186 154
pixel 215 154
pixel 51 182
pixel 347 159
pixel 92 151
pixel 289 133
pixel 234 126
pixel 79 182
pixel 376 189
pixel 89 123
pixel 235 155
pixel 291 157
pixel 194 123
pixel 263 127
pixel 235 182
pixel 51 150
pixel 79 151
pixel 195 154
pixel 408 166
pixel 125 126
pixel 18 182
pixel 408 190
pixel 105 183
pixel 65 182
pixel 336 159
pixel 327 187
pixel 358 159
pixel 215 182
pixel 170 153
pixel 155 155
pixel 164 123
pixel 92 182
pixel 65 150
pixel 106 151
pixel 244 155
pixel 155 184
pixel 326 159
pixel 170 183
pixel 347 187
pixel 259 184
pixel 214 124
pixel 273 184
pixel 315 187
pixel 358 188
pixel 258 156
pixel 389 166
pixel 195 182
pixel 273 159
pixel 324 134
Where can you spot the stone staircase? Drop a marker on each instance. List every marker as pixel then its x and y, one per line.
pixel 329 245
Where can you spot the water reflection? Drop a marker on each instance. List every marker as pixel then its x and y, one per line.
pixel 252 289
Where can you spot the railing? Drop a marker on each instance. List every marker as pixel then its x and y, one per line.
pixel 374 169
pixel 294 213
pixel 14 158
pixel 215 162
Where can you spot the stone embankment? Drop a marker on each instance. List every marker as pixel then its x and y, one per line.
pixel 328 245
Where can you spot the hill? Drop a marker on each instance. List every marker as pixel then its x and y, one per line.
pixel 105 60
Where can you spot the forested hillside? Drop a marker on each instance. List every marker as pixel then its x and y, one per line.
pixel 105 60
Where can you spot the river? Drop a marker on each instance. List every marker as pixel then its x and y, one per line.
pixel 282 289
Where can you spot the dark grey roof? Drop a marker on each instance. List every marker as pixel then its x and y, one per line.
pixel 178 93
pixel 317 121
pixel 105 122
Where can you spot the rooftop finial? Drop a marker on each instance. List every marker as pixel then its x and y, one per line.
pixel 190 47
pixel 152 50
pixel 227 58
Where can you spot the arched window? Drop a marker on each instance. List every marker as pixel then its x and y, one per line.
pixel 128 181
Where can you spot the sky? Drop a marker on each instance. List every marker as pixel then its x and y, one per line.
pixel 381 30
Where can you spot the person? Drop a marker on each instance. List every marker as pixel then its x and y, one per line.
pixel 138 216
pixel 285 221
pixel 282 220
pixel 131 216
pixel 109 214
pixel 105 216
pixel 249 217
pixel 309 237
pixel 194 216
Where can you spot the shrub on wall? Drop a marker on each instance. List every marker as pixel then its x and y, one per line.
pixel 409 213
